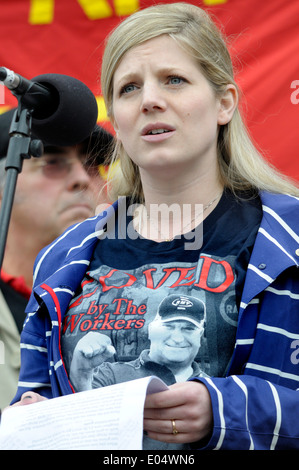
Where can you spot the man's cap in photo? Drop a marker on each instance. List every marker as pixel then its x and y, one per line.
pixel 182 307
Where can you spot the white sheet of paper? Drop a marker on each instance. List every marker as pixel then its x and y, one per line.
pixel 108 418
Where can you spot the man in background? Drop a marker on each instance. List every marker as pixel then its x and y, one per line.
pixel 62 187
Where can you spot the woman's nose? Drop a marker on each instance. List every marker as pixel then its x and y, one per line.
pixel 152 99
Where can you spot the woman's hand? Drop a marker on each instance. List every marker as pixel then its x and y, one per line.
pixel 188 404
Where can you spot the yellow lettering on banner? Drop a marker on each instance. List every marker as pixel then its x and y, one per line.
pixel 125 7
pixel 213 2
pixel 102 112
pixel 41 11
pixel 96 9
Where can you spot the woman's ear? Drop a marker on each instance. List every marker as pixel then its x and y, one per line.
pixel 115 127
pixel 228 103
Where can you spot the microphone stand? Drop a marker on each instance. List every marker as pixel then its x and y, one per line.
pixel 20 147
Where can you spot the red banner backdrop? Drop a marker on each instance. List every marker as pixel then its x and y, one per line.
pixel 66 36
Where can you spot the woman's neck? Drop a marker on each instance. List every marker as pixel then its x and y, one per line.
pixel 177 208
pixel 198 190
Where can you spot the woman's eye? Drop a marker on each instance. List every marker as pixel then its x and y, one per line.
pixel 174 80
pixel 127 88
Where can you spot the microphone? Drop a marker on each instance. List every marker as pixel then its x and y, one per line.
pixel 64 110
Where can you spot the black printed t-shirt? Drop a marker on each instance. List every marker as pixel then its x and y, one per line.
pixel 127 280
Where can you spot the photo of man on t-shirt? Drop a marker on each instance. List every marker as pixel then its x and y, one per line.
pixel 175 337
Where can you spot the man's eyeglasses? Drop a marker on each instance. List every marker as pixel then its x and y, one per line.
pixel 60 166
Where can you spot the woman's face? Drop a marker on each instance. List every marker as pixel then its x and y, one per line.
pixel 165 112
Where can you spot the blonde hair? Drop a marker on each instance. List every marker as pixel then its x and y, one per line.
pixel 241 166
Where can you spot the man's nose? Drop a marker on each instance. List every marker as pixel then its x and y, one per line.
pixel 78 178
pixel 177 335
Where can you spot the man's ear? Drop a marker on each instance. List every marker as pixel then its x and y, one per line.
pixel 228 103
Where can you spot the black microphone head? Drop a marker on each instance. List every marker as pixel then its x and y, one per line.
pixel 97 144
pixel 72 114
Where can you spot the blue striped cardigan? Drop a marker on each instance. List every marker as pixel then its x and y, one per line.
pixel 256 406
